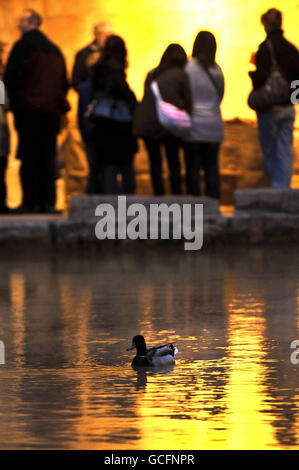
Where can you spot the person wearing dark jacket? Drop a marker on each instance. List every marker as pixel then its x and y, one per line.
pixel 277 125
pixel 82 83
pixel 95 183
pixel 174 87
pixel 4 139
pixel 36 81
pixel 4 151
pixel 115 143
pixel 89 53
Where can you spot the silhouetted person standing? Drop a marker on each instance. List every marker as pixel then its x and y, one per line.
pixel 175 88
pixel 4 139
pixel 90 54
pixel 277 125
pixel 115 143
pixel 207 133
pixel 36 81
pixel 85 59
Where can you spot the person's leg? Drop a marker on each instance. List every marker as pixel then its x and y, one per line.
pixel 3 166
pixel 282 171
pixel 267 127
pixel 91 154
pixel 30 135
pixel 210 153
pixel 111 174
pixel 47 184
pixel 155 157
pixel 99 180
pixel 192 163
pixel 102 149
pixel 128 178
pixel 28 198
pixel 96 177
pixel 172 148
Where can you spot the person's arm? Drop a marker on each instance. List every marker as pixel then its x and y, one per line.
pixel 263 67
pixel 79 69
pixel 296 65
pixel 221 85
pixel 148 80
pixel 63 84
pixel 187 93
pixel 127 93
pixel 66 82
pixel 16 59
pixel 123 92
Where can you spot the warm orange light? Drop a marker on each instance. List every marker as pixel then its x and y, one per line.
pixel 149 26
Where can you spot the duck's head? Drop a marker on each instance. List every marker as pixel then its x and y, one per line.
pixel 138 342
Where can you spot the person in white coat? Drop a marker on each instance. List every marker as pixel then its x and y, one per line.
pixel 203 143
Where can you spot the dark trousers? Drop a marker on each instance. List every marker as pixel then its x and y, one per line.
pixel 96 177
pixel 37 149
pixel 276 130
pixel 127 185
pixel 172 147
pixel 202 155
pixel 3 166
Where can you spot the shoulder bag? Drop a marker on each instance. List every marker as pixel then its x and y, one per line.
pixel 176 121
pixel 276 90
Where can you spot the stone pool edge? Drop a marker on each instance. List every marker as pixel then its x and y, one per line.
pixel 261 216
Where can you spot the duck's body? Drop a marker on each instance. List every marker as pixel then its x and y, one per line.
pixel 159 356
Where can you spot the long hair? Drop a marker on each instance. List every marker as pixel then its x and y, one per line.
pixel 114 52
pixel 204 48
pixel 174 56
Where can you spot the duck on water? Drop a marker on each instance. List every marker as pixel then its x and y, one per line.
pixel 158 356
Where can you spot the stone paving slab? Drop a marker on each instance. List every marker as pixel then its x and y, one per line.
pixel 260 217
pixel 267 200
pixel 83 207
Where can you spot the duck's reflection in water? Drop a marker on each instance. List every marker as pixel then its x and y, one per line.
pixel 142 373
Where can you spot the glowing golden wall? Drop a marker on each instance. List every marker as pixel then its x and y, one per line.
pixel 150 25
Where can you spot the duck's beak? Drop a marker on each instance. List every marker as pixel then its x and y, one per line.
pixel 130 348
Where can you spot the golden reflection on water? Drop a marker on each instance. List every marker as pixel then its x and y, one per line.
pixel 68 381
pixel 75 317
pixel 246 392
pixel 17 300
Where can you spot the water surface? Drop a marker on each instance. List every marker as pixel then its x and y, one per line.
pixel 67 320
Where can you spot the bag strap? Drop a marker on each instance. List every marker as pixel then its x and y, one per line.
pixel 272 53
pixel 275 64
pixel 212 79
pixel 156 91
